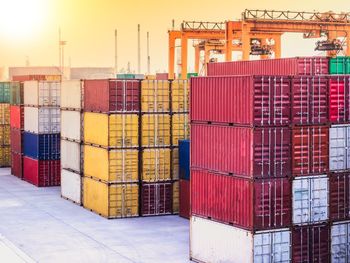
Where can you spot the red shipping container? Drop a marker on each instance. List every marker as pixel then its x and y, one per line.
pixel 184 198
pixel 311 244
pixel 156 199
pixel 42 173
pixel 162 76
pixel 243 100
pixel 17 117
pixel 310 153
pixel 309 100
pixel 112 95
pixel 339 201
pixel 280 66
pixel 242 151
pixel 339 88
pixel 16 140
pixel 245 203
pixel 17 164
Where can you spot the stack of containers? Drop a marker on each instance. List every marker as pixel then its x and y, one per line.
pixel 72 126
pixel 41 137
pixel 5 150
pixel 259 162
pixel 184 174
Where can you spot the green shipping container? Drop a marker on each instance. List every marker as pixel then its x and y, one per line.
pixel 16 93
pixel 5 92
pixel 189 75
pixel 339 65
pixel 125 76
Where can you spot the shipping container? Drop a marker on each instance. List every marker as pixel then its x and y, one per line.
pixel 41 146
pixel 116 166
pixel 242 100
pixel 310 244
pixel 71 186
pixel 339 65
pixel 184 198
pixel 5 156
pixel 111 200
pixel 253 205
pixel 241 151
pixel 180 95
pixel 4 113
pixel 5 92
pixel 310 199
pixel 339 198
pixel 16 93
pixel 16 140
pixel 42 93
pixel 184 159
pixel 217 243
pixel 162 76
pixel 5 135
pixel 339 151
pixel 150 76
pixel 17 117
pixel 37 77
pixel 71 156
pixel 112 95
pixel 175 163
pixel 340 242
pixel 156 199
pixel 309 100
pixel 339 88
pixel 42 120
pixel 72 94
pixel 111 130
pixel 156 165
pixel 155 130
pixel 176 197
pixel 180 128
pixel 72 125
pixel 17 164
pixel 42 173
pixel 155 96
pixel 280 66
pixel 310 153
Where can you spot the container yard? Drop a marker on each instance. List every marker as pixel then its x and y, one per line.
pixel 223 141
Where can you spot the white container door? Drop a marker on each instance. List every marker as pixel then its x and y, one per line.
pixel 71 125
pixel 49 120
pixel 340 243
pixel 71 186
pixel 30 89
pixel 55 93
pixel 319 199
pixel 71 94
pixel 337 148
pixel 71 155
pixel 31 119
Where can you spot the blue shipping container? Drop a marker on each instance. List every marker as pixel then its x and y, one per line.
pixel 184 159
pixel 42 146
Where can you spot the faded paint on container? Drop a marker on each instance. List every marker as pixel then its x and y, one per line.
pixel 310 153
pixel 111 200
pixel 258 153
pixel 42 146
pixel 339 197
pixel 16 93
pixel 155 130
pixel 42 93
pixel 252 205
pixel 16 140
pixel 339 88
pixel 4 113
pixel 72 125
pixel 180 128
pixel 17 164
pixel 184 198
pixel 156 165
pixel 176 197
pixel 180 95
pixel 184 159
pixel 71 156
pixel 42 120
pixel 339 143
pixel 156 199
pixel 42 173
pixel 71 186
pixel 155 96
pixel 114 130
pixel 243 100
pixel 72 94
pixel 117 166
pixel 17 117
pixel 216 243
pixel 340 242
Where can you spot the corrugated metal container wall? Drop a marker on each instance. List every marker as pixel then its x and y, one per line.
pixel 264 152
pixel 5 92
pixel 310 244
pixel 5 156
pixel 340 242
pixel 17 117
pixel 339 198
pixel 71 186
pixel 117 166
pixel 42 173
pixel 184 159
pixel 253 205
pixel 244 100
pixel 155 96
pixel 16 93
pixel 310 200
pixel 185 199
pixel 156 199
pixel 112 200
pixel 282 66
pixel 16 140
pixel 5 134
pixel 155 130
pixel 176 197
pixel 175 163
pixel 42 146
pixel 42 120
pixel 339 88
pixel 42 93
pixel 309 100
pixel 4 113
pixel 310 153
pixel 180 96
pixel 72 125
pixel 112 95
pixel 216 243
pixel 339 143
pixel 71 156
pixel 17 164
pixel 156 164
pixel 72 92
pixel 180 128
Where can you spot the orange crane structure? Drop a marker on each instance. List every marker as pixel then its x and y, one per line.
pixel 257 28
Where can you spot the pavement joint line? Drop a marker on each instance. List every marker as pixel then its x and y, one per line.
pixel 21 254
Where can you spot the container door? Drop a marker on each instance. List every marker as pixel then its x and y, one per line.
pixel 54 93
pixel 340 243
pixel 44 120
pixel 337 100
pixel 301 201
pixel 44 93
pixel 347 144
pixel 319 199
pixel 319 101
pixel 337 148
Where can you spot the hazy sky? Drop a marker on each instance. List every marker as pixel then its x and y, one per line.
pixel 30 27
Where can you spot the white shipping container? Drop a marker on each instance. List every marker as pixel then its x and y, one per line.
pixel 213 242
pixel 72 94
pixel 71 125
pixel 339 143
pixel 340 242
pixel 42 93
pixel 71 186
pixel 42 120
pixel 310 199
pixel 71 154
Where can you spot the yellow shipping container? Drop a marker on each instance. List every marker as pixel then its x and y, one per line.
pixel 111 165
pixel 155 96
pixel 5 156
pixel 111 200
pixel 114 130
pixel 156 165
pixel 180 127
pixel 155 130
pixel 53 77
pixel 176 197
pixel 5 134
pixel 4 113
pixel 151 77
pixel 180 95
pixel 175 163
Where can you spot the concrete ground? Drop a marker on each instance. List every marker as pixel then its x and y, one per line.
pixel 37 225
